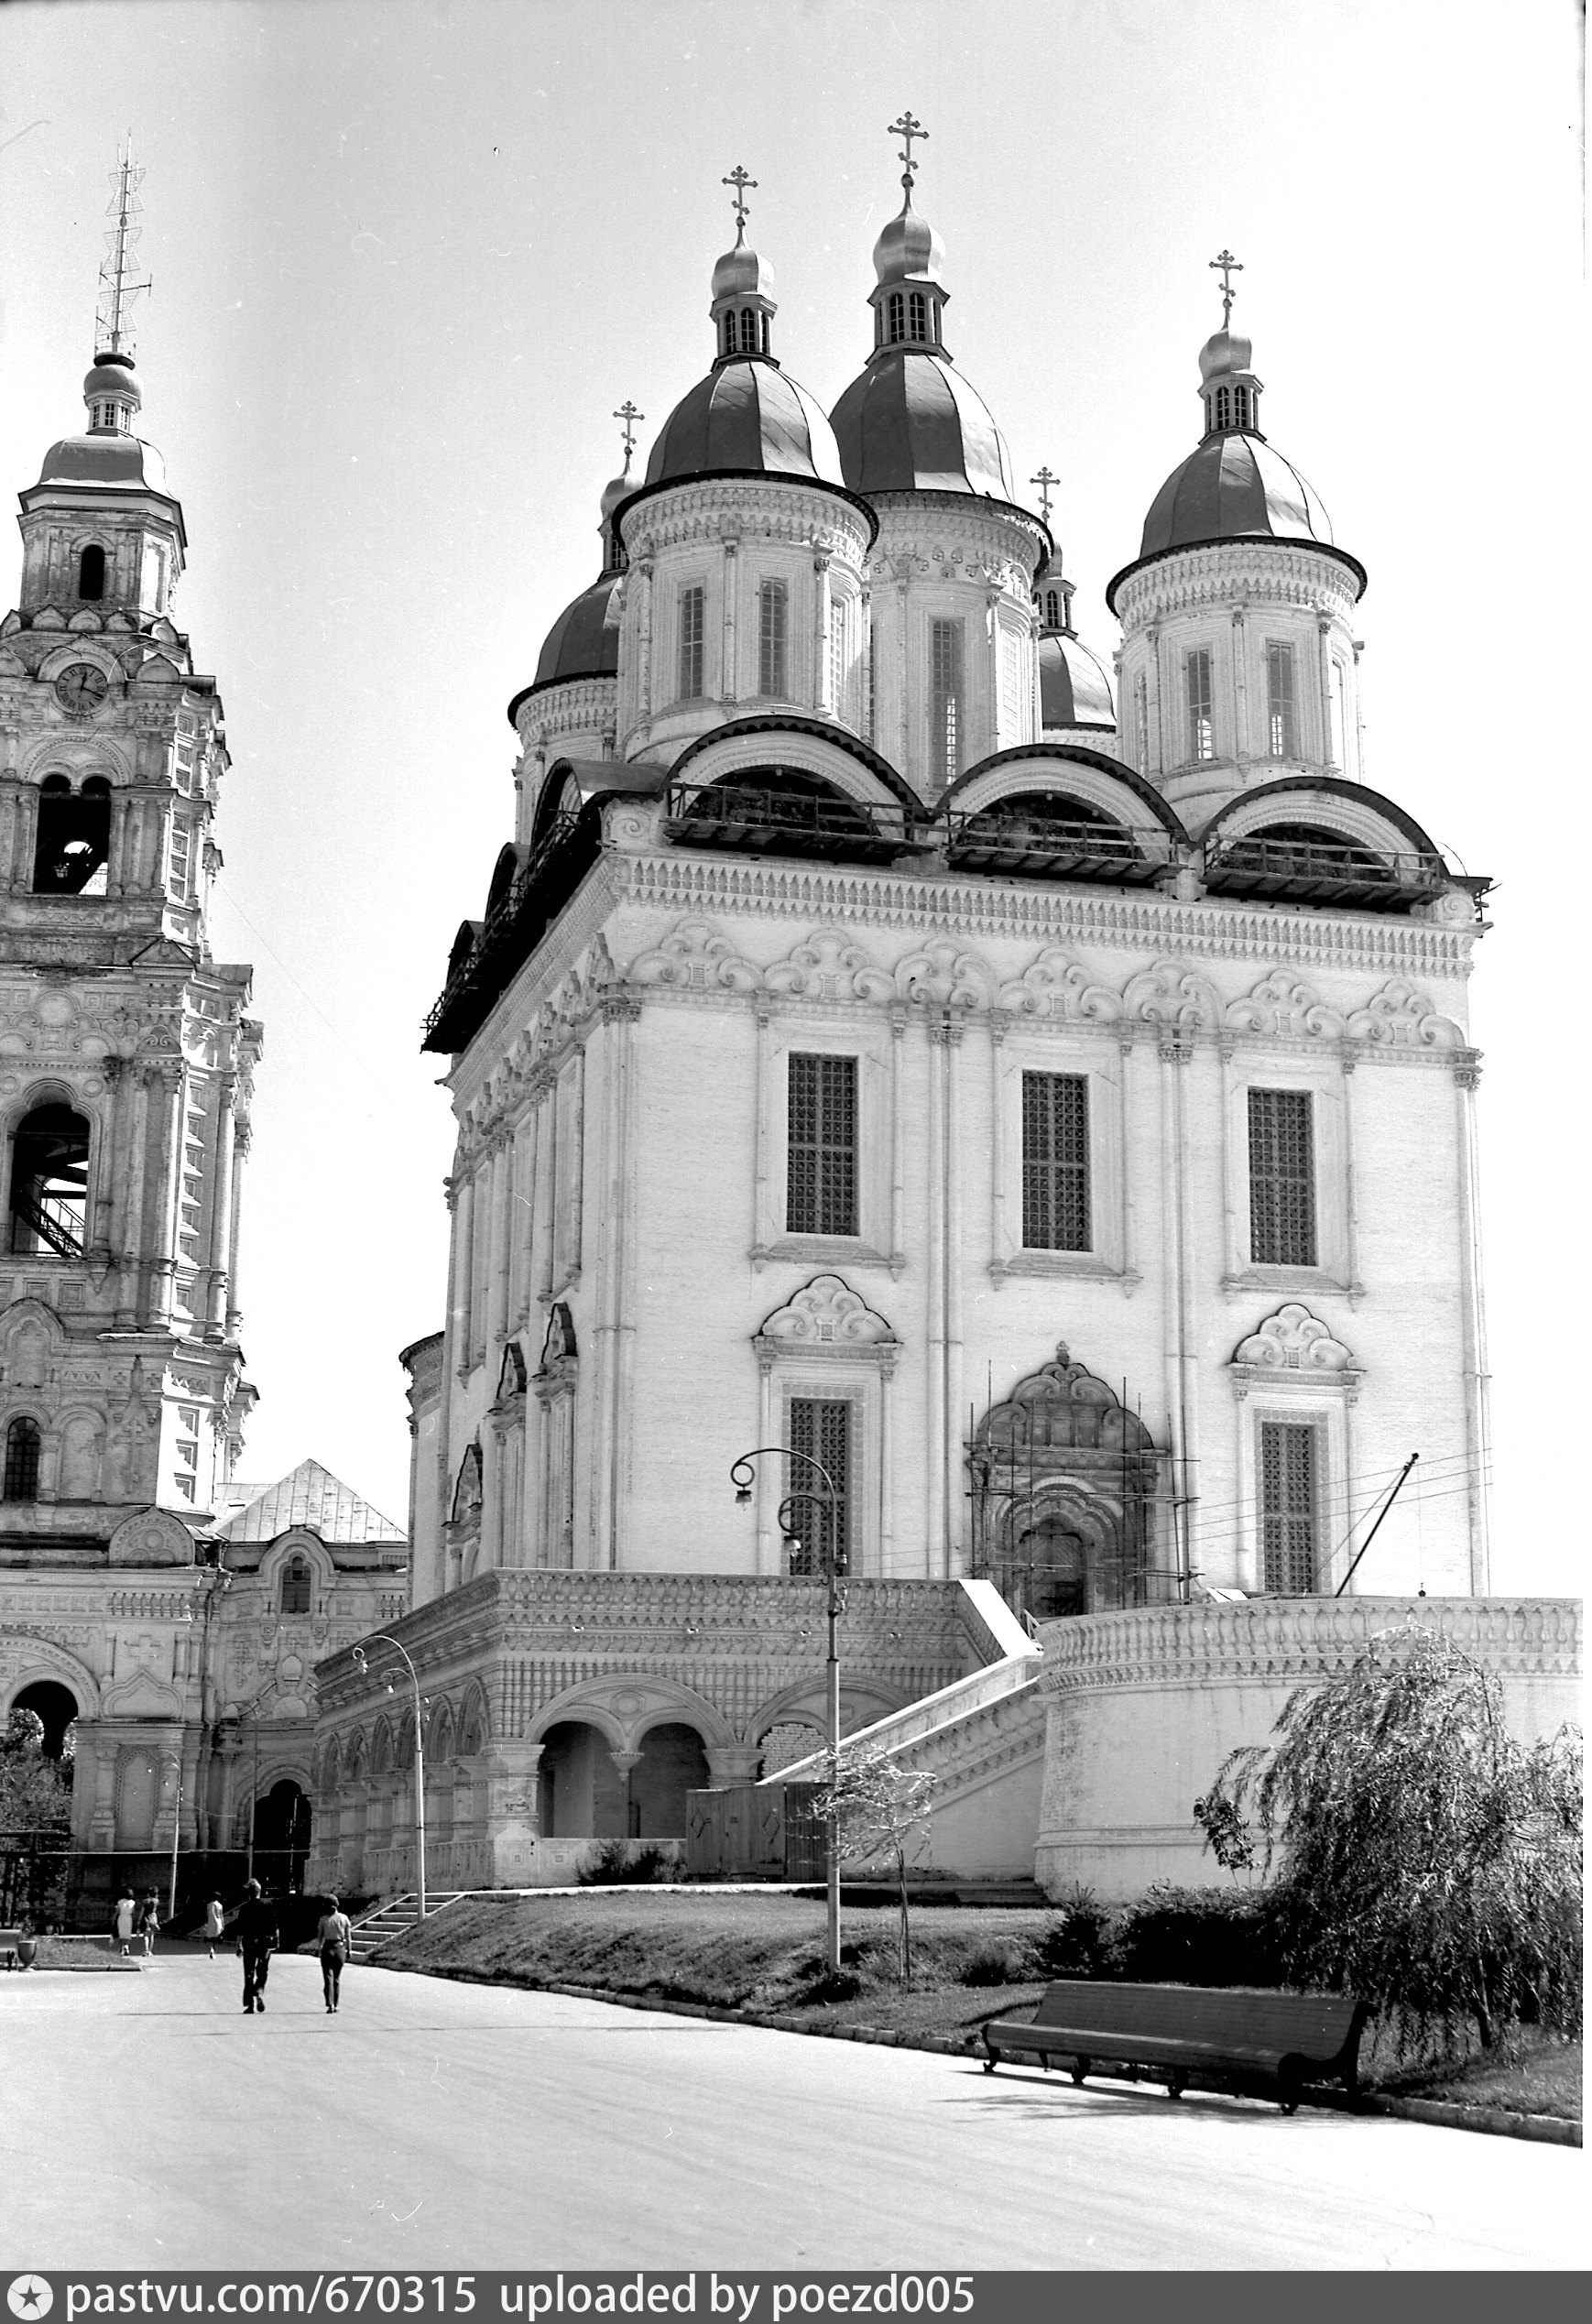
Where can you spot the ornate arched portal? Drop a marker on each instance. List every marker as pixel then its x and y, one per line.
pixel 1063 1479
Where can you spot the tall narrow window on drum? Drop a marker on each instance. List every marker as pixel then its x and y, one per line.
pixel 772 605
pixel 820 1527
pixel 1202 738
pixel 1281 732
pixel 820 1146
pixel 945 699
pixel 1141 721
pixel 1339 722
pixel 1290 1507
pixel 1011 689
pixel 1056 1161
pixel 839 612
pixel 691 631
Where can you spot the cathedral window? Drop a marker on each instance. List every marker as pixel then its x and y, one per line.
pixel 772 609
pixel 49 1182
pixel 1201 742
pixel 23 1444
pixel 819 1527
pixel 1056 1161
pixel 918 308
pixel 295 1591
pixel 897 318
pixel 90 571
pixel 1281 1178
pixel 749 331
pixel 693 631
pixel 1282 733
pixel 821 1146
pixel 73 842
pixel 1141 721
pixel 945 699
pixel 1289 1506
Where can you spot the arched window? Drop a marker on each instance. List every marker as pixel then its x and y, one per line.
pixel 1241 406
pixel 729 334
pixel 22 1446
pixel 1210 413
pixel 934 317
pixel 766 339
pixel 772 607
pixel 918 309
pixel 1052 609
pixel 1224 407
pixel 295 1593
pixel 73 841
pixel 90 571
pixel 897 317
pixel 749 331
pixel 49 1182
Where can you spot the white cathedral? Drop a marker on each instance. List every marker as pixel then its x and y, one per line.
pixel 1026 1121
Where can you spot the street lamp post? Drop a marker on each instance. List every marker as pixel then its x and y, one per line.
pixel 742 1473
pixel 384 1638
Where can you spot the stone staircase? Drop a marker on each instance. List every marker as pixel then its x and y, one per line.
pixel 396 1918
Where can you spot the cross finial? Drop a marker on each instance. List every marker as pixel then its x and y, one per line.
pixel 113 325
pixel 628 415
pixel 907 127
pixel 1228 267
pixel 1044 481
pixel 740 181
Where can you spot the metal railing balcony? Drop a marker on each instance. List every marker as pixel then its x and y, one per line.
pixel 1312 871
pixel 755 821
pixel 511 931
pixel 1055 848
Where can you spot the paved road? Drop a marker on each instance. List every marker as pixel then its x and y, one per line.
pixel 145 2122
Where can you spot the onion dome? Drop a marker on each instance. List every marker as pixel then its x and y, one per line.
pixel 746 418
pixel 910 422
pixel 583 642
pixel 109 454
pixel 1074 688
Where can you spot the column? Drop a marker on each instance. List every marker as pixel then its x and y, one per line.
pixel 512 1822
pixel 1477 1379
pixel 498 1253
pixel 220 1207
pixel 1243 747
pixel 897 1142
pixel 1173 1053
pixel 768 1224
pixel 463 1262
pixel 952 1032
pixel 729 673
pixel 240 1155
pixel 934 1529
pixel 998 1240
pixel 822 616
pixel 1126 1156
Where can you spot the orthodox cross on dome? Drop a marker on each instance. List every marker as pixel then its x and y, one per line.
pixel 627 416
pixel 1044 481
pixel 113 327
pixel 740 181
pixel 907 127
pixel 1228 267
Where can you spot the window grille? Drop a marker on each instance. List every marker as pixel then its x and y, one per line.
pixel 918 308
pixel 1224 407
pixel 729 334
pixel 1141 721
pixel 839 657
pixel 295 1587
pixel 1241 406
pixel 22 1446
pixel 896 326
pixel 693 628
pixel 1281 1179
pixel 749 331
pixel 945 697
pixel 1052 609
pixel 1056 1161
pixel 1201 739
pixel 1282 733
pixel 820 1427
pixel 771 628
pixel 1290 1497
pixel 821 1157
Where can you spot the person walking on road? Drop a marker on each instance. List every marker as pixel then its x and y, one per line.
pixel 214 1923
pixel 336 1934
pixel 149 1923
pixel 256 1929
pixel 124 1920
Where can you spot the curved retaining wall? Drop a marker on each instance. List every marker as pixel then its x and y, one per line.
pixel 1143 1708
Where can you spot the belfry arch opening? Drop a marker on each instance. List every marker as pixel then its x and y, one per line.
pixel 91 572
pixel 72 854
pixel 57 1708
pixel 49 1182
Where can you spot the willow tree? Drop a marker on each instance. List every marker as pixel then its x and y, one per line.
pixel 1422 1858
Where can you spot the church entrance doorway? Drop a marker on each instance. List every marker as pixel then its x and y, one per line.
pixel 281 1837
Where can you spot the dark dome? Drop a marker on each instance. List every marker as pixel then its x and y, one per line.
pixel 748 418
pixel 1074 688
pixel 1232 487
pixel 125 462
pixel 583 642
pixel 911 423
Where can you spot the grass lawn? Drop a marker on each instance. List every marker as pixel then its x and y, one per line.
pixel 752 1950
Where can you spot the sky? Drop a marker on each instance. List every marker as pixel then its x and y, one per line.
pixel 409 258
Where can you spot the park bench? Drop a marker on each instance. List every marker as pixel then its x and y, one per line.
pixel 1267 2044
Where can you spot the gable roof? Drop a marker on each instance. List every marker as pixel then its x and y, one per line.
pixel 310 1496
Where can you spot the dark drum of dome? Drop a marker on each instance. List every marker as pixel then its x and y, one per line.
pixel 583 642
pixel 1230 486
pixel 902 427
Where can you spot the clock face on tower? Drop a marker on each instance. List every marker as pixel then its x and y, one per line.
pixel 81 689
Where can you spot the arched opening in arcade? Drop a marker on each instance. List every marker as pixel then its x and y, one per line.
pixel 281 1836
pixel 587 1790
pixel 36 1811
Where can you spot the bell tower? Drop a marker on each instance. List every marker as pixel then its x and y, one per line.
pixel 126 1052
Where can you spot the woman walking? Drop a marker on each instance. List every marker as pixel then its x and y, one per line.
pixel 214 1923
pixel 336 1934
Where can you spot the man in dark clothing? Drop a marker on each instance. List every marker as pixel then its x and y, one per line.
pixel 256 1931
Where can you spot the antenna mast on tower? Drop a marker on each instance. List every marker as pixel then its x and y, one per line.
pixel 114 332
